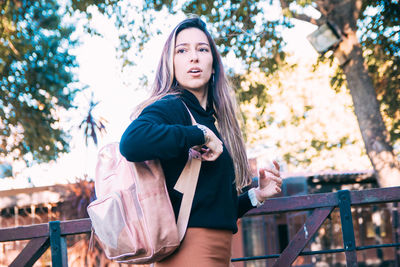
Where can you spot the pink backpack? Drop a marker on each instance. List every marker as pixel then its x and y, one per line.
pixel 133 216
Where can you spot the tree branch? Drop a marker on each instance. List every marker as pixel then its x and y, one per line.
pixel 284 4
pixel 320 7
pixel 13 48
pixel 306 18
pixel 357 9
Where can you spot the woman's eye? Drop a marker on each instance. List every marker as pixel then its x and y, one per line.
pixel 180 51
pixel 203 49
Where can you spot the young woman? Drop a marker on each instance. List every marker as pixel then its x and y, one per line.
pixel 191 72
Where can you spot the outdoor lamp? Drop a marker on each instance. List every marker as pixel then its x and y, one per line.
pixel 324 38
pixel 5 170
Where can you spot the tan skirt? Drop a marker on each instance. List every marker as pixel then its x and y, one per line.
pixel 201 247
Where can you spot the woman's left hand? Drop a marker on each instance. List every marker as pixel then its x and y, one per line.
pixel 269 182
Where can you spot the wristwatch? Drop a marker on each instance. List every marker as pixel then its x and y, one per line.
pixel 204 129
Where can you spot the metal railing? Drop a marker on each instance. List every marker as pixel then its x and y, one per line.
pixel 53 234
pixel 322 205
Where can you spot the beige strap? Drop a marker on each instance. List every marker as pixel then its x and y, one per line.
pixel 186 185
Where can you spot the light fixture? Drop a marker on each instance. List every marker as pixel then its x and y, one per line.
pixel 326 37
pixel 5 170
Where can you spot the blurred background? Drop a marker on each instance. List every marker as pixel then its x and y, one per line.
pixel 317 82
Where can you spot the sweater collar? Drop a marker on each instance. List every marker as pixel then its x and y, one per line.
pixel 193 103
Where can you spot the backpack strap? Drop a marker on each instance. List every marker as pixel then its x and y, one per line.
pixel 186 185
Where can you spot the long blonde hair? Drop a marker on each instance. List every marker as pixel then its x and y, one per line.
pixel 223 98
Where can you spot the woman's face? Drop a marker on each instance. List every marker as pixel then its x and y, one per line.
pixel 192 59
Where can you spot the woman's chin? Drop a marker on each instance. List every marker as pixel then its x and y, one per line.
pixel 195 87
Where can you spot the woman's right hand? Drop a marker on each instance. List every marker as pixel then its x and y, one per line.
pixel 213 144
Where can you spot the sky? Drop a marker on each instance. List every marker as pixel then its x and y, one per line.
pixel 117 94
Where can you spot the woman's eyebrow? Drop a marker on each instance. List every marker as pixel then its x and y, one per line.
pixel 186 44
pixel 182 44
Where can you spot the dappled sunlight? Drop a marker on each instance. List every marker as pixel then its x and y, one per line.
pixel 306 124
pixel 390 173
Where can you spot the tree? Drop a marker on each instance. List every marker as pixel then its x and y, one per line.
pixel 92 125
pixel 347 16
pixel 35 77
pixel 369 65
pixel 307 126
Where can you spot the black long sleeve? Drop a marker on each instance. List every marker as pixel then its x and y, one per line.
pixel 155 135
pixel 164 131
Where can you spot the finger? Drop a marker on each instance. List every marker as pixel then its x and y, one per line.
pixel 266 173
pixel 278 189
pixel 206 158
pixel 197 148
pixel 261 173
pixel 216 154
pixel 271 176
pixel 277 167
pixel 205 150
pixel 277 180
pixel 210 156
pixel 273 171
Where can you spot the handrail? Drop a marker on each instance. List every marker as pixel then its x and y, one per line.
pixel 307 202
pixel 71 227
pixel 53 234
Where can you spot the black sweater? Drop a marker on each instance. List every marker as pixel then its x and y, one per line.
pixel 164 131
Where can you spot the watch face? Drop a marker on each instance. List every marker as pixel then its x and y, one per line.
pixel 203 128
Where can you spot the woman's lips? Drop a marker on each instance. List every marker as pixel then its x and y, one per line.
pixel 195 72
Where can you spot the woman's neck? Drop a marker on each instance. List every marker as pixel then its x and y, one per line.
pixel 201 96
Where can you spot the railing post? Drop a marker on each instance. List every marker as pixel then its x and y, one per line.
pixel 303 236
pixel 396 232
pixel 58 246
pixel 346 218
pixel 32 252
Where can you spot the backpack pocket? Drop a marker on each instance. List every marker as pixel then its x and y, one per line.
pixel 118 222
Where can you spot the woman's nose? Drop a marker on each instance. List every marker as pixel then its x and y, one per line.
pixel 194 57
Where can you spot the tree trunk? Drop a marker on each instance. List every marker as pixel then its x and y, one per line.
pixel 366 107
pixel 344 15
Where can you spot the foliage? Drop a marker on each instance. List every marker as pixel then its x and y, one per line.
pixel 380 28
pixel 379 36
pixel 244 29
pixel 307 125
pixel 35 73
pixel 132 19
pixel 234 24
pixel 251 30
